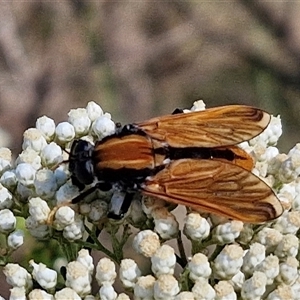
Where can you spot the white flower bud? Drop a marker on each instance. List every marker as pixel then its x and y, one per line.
pixel 261 169
pixel 105 271
pixel 254 287
pixel 121 296
pixel 61 174
pixel 185 296
pixel 199 267
pixel 98 209
pixel 270 267
pixel 84 208
pixel 39 294
pixel 288 271
pixel 45 183
pixel 267 154
pixel 136 215
pixel 93 110
pixel 66 293
pixel 268 237
pixel 51 155
pixel 287 195
pixel 17 276
pixel 149 204
pixel 36 230
pixel 270 135
pixel 64 216
pixel 9 179
pixel 224 291
pixel 165 223
pixel 228 262
pixel 287 171
pixel 198 105
pixel 44 276
pixel 78 278
pixel 144 287
pixel 46 126
pixel 227 233
pixel 275 163
pixel 39 210
pixel 58 263
pixel 80 120
pixel 7 221
pixel 31 157
pixel 237 281
pixel 24 192
pixel 64 132
pixel 5 159
pixel 6 200
pixel 34 139
pixel 163 261
pixel 90 297
pixel 166 287
pixel 290 168
pixel 103 126
pixel 75 230
pixel 254 256
pixel 66 192
pixel 86 259
pixel 129 273
pixel 107 292
pixel 25 174
pixel 289 222
pixel 282 292
pixel 15 239
pixel 146 242
pixel 196 228
pixel 203 290
pixel 296 288
pixel 288 246
pixel 17 293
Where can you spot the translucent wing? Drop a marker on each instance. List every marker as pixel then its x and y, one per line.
pixel 215 127
pixel 217 187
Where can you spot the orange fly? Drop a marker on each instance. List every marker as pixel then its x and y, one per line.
pixel 184 158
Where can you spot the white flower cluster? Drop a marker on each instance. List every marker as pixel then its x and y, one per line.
pixel 228 260
pixel 37 179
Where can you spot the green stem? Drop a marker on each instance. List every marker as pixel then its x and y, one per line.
pixel 69 249
pixel 217 251
pixel 98 246
pixel 184 280
pixel 117 244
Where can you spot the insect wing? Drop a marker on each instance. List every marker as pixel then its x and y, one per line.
pixel 215 127
pixel 241 157
pixel 217 187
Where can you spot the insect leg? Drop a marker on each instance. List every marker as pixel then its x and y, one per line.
pixel 119 204
pixel 118 128
pixel 103 186
pixel 129 129
pixel 177 111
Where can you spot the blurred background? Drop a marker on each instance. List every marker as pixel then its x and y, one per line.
pixel 139 59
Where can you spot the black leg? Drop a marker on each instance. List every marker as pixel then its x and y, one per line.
pixel 177 111
pixel 119 205
pixel 118 128
pixel 102 186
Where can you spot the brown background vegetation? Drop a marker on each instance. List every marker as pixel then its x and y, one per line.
pixel 139 59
